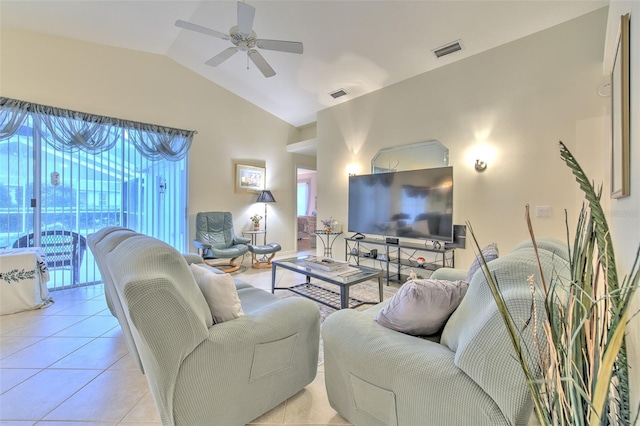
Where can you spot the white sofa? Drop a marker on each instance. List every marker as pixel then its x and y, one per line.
pixel 467 376
pixel 201 373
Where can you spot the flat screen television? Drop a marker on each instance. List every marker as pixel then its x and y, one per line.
pixel 410 204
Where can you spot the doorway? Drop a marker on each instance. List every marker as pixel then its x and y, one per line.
pixel 47 191
pixel 306 207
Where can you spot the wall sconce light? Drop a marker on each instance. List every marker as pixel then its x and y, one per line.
pixel 352 169
pixel 480 166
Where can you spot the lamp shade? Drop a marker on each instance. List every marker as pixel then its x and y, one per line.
pixel 265 197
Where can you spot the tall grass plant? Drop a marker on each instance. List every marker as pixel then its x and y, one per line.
pixel 577 367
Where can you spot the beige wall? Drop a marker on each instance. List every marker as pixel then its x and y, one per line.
pixel 152 88
pixel 518 100
pixel 625 213
pixel 514 102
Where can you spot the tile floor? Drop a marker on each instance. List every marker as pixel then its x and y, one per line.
pixel 68 365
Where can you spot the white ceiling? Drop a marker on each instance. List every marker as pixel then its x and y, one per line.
pixel 359 46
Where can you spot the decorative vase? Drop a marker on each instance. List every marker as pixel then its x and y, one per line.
pixel 256 226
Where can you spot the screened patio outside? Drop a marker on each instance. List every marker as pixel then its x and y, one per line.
pixel 44 189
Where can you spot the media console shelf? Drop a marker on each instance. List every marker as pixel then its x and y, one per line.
pixel 398 258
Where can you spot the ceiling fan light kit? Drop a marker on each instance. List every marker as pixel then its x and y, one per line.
pixel 245 39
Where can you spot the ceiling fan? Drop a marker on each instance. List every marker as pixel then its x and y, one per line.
pixel 244 39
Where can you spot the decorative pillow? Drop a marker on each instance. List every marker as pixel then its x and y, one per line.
pixel 421 307
pixel 490 253
pixel 220 292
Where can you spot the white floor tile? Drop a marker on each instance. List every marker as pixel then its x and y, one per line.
pixel 108 398
pixel 94 326
pixel 37 396
pixel 44 353
pixel 66 423
pixel 100 353
pixel 10 377
pixel 145 411
pixel 13 344
pixel 44 326
pixel 90 307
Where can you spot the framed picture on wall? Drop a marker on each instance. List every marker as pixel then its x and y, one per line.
pixel 620 119
pixel 249 179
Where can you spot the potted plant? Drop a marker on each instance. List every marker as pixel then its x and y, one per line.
pixel 580 372
pixel 256 218
pixel 328 224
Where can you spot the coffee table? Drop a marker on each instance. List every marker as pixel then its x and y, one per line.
pixel 334 299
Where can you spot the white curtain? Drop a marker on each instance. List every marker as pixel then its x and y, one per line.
pixel 68 131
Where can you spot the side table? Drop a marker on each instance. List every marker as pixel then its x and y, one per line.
pixel 254 236
pixel 327 238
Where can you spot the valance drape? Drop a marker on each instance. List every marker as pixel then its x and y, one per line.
pixel 67 130
pixel 11 117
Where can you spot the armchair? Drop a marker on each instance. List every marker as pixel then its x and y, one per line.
pixel 216 239
pixel 468 375
pixel 201 373
pixel 63 249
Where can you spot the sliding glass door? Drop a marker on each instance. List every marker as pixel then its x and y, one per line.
pixel 46 189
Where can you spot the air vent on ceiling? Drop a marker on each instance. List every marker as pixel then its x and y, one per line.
pixel 447 49
pixel 338 93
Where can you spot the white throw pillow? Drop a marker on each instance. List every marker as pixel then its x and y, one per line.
pixel 220 292
pixel 421 307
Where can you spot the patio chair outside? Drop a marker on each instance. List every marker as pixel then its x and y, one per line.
pixel 63 249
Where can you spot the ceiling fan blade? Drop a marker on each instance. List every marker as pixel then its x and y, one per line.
pixel 261 63
pixel 246 13
pixel 194 27
pixel 280 45
pixel 222 56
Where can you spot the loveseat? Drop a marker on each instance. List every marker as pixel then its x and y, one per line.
pixel 467 375
pixel 201 373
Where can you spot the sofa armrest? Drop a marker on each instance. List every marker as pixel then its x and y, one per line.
pixel 450 274
pixel 407 375
pixel 200 245
pixel 272 351
pixel 275 321
pixel 192 258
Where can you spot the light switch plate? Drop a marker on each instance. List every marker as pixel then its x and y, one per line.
pixel 543 211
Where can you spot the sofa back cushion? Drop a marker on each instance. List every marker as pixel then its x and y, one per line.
pixel 101 243
pixel 136 264
pixel 551 245
pixel 479 338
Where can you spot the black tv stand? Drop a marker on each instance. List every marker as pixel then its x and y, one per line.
pixel 397 259
pixel 358 236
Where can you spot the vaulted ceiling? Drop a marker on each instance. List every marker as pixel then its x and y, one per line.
pixel 357 46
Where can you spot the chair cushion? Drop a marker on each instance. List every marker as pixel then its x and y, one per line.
pixel 421 307
pixel 220 292
pixel 265 249
pixel 490 252
pixel 226 253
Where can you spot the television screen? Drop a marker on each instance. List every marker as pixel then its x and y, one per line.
pixel 409 204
